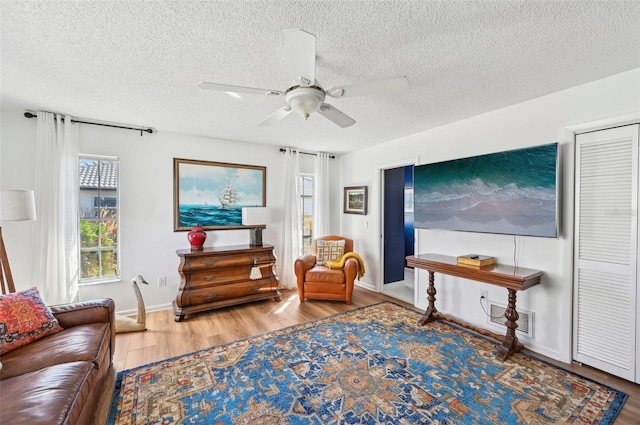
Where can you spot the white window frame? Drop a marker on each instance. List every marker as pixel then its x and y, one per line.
pixel 301 198
pixel 118 248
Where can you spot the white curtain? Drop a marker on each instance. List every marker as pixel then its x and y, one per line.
pixel 292 226
pixel 55 237
pixel 321 221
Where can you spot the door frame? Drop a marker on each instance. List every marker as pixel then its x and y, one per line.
pixel 413 161
pixel 570 133
pixel 627 371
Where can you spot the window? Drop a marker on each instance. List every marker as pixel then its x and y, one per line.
pixel 306 210
pixel 98 219
pixel 105 201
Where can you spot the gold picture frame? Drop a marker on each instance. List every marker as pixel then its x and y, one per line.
pixel 212 194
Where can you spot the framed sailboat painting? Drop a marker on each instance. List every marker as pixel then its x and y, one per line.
pixel 212 194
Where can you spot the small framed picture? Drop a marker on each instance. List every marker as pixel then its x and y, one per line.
pixel 355 200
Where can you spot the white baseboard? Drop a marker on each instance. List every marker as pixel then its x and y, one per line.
pixel 365 286
pixel 148 309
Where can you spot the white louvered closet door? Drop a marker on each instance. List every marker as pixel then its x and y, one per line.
pixel 605 330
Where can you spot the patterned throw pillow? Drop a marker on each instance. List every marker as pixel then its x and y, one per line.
pixel 329 251
pixel 24 318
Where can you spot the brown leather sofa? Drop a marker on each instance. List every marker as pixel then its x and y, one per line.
pixel 318 282
pixel 58 379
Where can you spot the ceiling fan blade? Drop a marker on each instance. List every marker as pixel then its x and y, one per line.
pixel 301 48
pixel 386 86
pixel 276 116
pixel 237 89
pixel 335 115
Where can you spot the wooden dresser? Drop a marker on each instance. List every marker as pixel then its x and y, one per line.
pixel 220 276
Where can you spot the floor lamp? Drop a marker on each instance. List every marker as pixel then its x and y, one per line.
pixel 15 205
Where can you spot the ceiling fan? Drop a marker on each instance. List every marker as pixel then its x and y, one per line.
pixel 306 95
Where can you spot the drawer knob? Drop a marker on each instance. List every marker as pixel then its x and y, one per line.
pixel 255 288
pixel 210 278
pixel 210 296
pixel 209 262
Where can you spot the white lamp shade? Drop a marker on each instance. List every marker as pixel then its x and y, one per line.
pixel 255 216
pixel 17 205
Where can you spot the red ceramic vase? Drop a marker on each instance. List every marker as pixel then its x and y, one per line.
pixel 196 237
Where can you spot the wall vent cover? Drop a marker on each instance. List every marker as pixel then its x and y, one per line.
pixel 525 321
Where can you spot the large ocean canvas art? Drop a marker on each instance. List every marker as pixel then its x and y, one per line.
pixel 212 194
pixel 512 192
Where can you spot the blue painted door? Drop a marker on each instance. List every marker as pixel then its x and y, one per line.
pixel 393 229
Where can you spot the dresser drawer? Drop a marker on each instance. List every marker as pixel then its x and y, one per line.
pixel 223 292
pixel 208 278
pixel 226 261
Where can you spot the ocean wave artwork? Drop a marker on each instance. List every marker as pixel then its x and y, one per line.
pixel 190 215
pixel 512 192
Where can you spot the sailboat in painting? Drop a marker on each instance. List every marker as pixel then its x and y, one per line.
pixel 228 197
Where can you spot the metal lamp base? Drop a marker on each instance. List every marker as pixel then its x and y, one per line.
pixel 256 237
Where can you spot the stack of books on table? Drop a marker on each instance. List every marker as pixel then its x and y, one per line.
pixel 477 261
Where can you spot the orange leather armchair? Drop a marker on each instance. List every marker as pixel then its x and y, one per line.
pixel 322 283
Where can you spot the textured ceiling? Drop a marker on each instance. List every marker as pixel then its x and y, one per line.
pixel 138 62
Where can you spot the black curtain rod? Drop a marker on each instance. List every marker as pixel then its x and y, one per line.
pixel 307 153
pixel 147 130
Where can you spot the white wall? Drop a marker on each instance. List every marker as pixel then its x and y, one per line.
pixel 536 122
pixel 148 242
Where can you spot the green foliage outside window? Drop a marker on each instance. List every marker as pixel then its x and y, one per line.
pixel 96 239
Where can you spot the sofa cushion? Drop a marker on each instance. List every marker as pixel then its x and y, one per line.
pixel 24 318
pixel 329 250
pixel 53 395
pixel 88 343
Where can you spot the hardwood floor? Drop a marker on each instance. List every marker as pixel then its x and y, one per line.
pixel 166 338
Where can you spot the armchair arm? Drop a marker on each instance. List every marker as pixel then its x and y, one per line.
pixel 95 311
pixel 351 269
pixel 300 267
pixel 303 264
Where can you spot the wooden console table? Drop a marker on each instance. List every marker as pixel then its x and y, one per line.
pixel 217 277
pixel 512 278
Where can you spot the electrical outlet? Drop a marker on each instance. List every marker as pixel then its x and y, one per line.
pixel 484 295
pixel 162 281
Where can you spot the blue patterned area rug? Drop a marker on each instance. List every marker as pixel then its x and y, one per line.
pixel 373 365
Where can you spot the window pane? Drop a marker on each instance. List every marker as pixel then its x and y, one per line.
pixel 109 263
pixel 88 233
pixel 307 206
pixel 307 225
pixel 109 233
pixel 307 186
pixel 89 265
pixel 306 246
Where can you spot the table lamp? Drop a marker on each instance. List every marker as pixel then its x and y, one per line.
pixel 15 205
pixel 256 218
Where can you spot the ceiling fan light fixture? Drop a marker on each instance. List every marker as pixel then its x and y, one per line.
pixel 305 100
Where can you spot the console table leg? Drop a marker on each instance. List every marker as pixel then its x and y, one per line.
pixel 510 344
pixel 429 314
